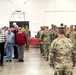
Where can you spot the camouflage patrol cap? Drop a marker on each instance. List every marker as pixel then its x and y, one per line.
pixel 55 25
pixel 42 27
pixel 65 26
pixel 71 26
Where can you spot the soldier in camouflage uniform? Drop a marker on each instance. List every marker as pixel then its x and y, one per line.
pixel 62 49
pixel 39 34
pixel 71 34
pixel 53 35
pixel 74 41
pixel 28 35
pixel 46 42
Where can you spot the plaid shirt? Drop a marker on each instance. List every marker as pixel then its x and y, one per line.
pixel 2 38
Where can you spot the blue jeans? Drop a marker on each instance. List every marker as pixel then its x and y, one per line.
pixel 9 48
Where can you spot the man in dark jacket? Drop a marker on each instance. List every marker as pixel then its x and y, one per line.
pixel 15 47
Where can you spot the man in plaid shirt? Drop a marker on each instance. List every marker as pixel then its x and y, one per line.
pixel 2 46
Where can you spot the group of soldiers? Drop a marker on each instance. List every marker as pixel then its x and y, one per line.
pixel 47 41
pixel 46 36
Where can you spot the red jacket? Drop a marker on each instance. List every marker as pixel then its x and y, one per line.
pixel 20 39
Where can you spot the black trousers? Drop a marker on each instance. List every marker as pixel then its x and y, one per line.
pixel 15 52
pixel 1 52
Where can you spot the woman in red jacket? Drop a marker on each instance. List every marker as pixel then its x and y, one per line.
pixel 20 41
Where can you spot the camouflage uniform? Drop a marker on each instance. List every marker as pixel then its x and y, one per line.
pixel 69 35
pixel 39 34
pixel 46 42
pixel 72 36
pixel 62 49
pixel 74 41
pixel 52 35
pixel 28 35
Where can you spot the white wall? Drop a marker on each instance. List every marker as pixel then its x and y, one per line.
pixel 35 12
pixel 64 12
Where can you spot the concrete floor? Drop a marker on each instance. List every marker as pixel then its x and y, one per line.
pixel 34 64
